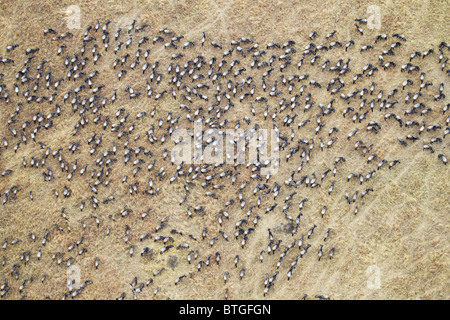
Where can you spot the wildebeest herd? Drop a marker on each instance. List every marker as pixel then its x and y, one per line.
pixel 123 91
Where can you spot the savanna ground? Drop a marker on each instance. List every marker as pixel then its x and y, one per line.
pixel 402 228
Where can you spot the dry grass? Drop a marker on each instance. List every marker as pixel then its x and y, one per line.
pixel 402 227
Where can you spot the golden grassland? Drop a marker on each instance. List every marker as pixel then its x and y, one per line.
pixel 402 228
